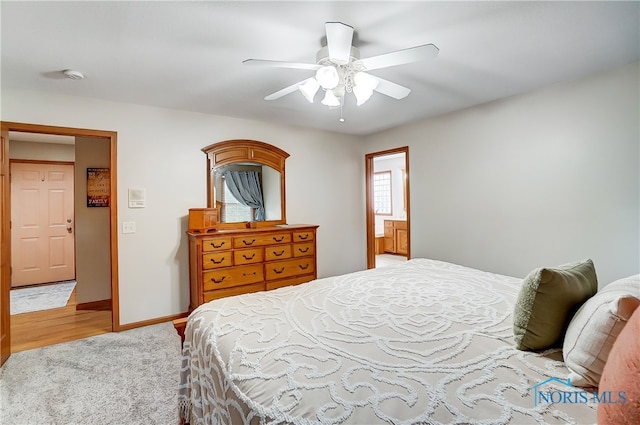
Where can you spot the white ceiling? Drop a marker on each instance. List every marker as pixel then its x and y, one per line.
pixel 188 55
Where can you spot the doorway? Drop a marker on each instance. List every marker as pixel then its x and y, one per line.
pixel 387 207
pixel 106 138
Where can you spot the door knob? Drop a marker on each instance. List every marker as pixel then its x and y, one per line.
pixel 69 229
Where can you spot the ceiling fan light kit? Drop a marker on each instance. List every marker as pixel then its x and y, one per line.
pixel 309 88
pixel 330 99
pixel 328 77
pixel 336 81
pixel 339 69
pixel 364 86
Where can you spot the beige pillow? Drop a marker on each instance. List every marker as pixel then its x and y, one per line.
pixel 595 327
pixel 547 300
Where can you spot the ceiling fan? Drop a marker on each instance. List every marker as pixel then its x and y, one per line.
pixel 339 69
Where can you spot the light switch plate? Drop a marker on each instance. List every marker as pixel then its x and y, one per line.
pixel 128 227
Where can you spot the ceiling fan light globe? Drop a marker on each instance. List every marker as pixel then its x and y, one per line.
pixel 362 79
pixel 362 94
pixel 309 89
pixel 328 77
pixel 330 99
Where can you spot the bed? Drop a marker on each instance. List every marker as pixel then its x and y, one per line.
pixel 423 342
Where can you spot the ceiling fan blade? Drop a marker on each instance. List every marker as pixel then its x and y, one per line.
pixel 399 57
pixel 280 64
pixel 339 39
pixel 285 91
pixel 391 89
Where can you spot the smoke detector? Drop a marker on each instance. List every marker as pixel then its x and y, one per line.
pixel 73 75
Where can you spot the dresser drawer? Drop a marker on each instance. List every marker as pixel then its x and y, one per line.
pixel 235 290
pixel 277 252
pixel 232 276
pixel 261 240
pixel 303 249
pixel 216 244
pixel 214 260
pixel 302 236
pixel 288 282
pixel 247 256
pixel 282 269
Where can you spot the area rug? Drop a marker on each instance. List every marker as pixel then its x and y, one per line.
pixel 45 297
pixel 119 378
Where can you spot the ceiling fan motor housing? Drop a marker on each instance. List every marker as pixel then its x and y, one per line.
pixel 322 57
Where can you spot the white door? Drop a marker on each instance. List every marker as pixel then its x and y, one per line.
pixel 42 223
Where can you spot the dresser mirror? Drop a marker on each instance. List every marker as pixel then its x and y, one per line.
pixel 246 183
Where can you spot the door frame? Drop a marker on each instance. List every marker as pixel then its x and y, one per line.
pixel 370 213
pixel 5 214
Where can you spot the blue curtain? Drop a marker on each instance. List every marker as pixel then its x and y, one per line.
pixel 245 186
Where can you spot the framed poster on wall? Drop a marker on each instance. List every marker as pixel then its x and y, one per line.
pixel 98 187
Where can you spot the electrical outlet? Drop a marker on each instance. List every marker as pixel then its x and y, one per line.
pixel 128 227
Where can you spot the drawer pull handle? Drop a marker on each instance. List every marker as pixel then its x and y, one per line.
pixel 278 240
pixel 244 241
pixel 245 274
pixel 305 237
pixel 279 271
pixel 249 258
pixel 277 254
pixel 217 262
pixel 213 279
pixel 213 244
pixel 303 250
pixel 304 267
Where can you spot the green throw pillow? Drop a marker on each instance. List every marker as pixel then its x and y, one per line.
pixel 547 300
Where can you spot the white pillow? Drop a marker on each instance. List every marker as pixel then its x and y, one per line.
pixel 595 327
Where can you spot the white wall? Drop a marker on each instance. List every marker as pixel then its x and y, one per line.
pixel 19 149
pixel 159 150
pixel 93 263
pixel 535 180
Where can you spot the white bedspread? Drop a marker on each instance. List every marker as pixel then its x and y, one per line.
pixel 421 342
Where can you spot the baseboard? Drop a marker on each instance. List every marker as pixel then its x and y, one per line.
pixel 101 305
pixel 149 322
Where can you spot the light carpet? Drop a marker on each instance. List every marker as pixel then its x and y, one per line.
pixel 123 378
pixel 44 297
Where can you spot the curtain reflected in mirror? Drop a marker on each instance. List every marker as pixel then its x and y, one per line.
pixel 247 192
pixel 246 189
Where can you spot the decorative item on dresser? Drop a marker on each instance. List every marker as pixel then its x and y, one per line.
pixel 241 243
pixel 202 219
pixel 395 237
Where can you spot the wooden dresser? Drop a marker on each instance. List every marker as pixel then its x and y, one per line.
pixel 395 237
pixel 235 252
pixel 238 261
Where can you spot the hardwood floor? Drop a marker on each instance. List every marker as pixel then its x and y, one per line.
pixel 48 327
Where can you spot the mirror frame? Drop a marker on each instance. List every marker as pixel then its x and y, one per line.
pixel 244 150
